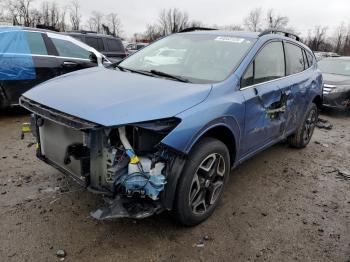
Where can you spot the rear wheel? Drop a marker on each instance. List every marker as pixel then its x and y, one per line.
pixel 305 131
pixel 202 182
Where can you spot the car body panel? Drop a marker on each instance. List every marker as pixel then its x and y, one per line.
pixel 120 97
pixel 226 106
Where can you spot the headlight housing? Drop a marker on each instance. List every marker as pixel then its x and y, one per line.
pixel 338 88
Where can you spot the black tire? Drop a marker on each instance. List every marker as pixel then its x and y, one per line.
pixel 302 136
pixel 202 185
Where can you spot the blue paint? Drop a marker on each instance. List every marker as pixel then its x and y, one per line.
pixel 16 62
pixel 113 98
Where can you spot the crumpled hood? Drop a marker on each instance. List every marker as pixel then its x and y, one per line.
pixel 109 97
pixel 332 79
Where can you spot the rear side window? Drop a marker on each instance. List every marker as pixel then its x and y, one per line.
pixel 69 49
pixel 100 45
pixel 92 41
pixel 310 58
pixel 114 45
pixel 80 38
pixel 294 59
pixel 36 43
pixel 268 65
pixel 306 63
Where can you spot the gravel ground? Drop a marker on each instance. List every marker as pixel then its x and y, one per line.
pixel 282 205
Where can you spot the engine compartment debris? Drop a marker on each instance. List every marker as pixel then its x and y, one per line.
pixel 125 164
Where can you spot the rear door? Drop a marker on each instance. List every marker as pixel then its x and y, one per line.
pixel 44 66
pixel 260 86
pixel 70 55
pixel 296 85
pixel 95 42
pixel 114 49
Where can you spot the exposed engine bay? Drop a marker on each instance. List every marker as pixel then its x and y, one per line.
pixel 127 165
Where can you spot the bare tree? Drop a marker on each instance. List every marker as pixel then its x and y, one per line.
pixel 95 21
pixel 317 39
pixel 114 24
pixel 45 13
pixel 172 21
pixel 54 15
pixel 253 22
pixel 345 50
pixel 277 22
pixel 153 32
pixel 20 12
pixel 340 34
pixel 232 28
pixel 90 23
pixel 74 14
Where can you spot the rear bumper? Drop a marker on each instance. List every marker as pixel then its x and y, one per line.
pixel 337 100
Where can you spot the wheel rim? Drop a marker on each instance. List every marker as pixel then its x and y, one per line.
pixel 309 125
pixel 207 183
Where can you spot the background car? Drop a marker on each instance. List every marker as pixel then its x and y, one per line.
pixel 111 47
pixel 321 55
pixel 336 76
pixel 29 56
pixel 134 47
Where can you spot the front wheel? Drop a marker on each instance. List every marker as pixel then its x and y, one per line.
pixel 305 131
pixel 202 181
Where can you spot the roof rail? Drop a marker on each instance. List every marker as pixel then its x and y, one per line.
pixel 276 31
pixel 82 32
pixel 190 29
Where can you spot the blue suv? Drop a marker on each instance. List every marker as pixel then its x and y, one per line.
pixel 162 132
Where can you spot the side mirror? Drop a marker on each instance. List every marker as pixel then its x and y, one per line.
pixel 93 58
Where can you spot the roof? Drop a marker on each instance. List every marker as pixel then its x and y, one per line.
pixel 226 33
pixel 89 33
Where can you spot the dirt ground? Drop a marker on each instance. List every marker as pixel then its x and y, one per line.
pixel 282 205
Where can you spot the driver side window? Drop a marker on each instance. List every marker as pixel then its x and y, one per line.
pixel 268 65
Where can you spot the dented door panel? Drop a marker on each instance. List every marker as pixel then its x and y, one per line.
pixel 262 122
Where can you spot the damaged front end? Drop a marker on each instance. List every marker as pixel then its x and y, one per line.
pixel 127 164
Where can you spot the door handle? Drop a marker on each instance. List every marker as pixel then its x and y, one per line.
pixel 281 109
pixel 69 63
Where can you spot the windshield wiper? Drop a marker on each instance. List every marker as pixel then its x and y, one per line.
pixel 178 78
pixel 149 73
pixel 116 65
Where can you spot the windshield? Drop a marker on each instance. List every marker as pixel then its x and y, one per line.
pixel 198 58
pixel 336 66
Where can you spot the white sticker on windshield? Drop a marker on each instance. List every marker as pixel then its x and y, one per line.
pixel 229 39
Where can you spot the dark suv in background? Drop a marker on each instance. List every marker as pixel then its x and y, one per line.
pixel 111 47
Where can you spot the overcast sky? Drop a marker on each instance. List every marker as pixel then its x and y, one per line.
pixel 303 14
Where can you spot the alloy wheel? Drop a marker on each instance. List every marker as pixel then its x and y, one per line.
pixel 207 183
pixel 309 125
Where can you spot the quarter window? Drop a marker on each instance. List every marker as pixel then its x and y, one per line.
pixel 36 43
pixel 310 58
pixel 114 45
pixel 69 49
pixel 92 41
pixel 294 59
pixel 268 65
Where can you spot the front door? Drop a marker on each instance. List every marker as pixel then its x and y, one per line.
pixel 264 99
pixel 70 56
